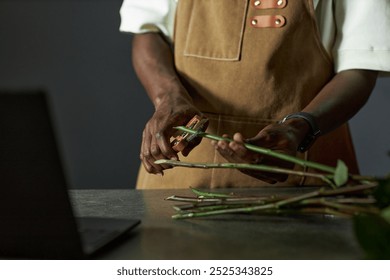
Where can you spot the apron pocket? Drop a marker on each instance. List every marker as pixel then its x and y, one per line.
pixel 216 29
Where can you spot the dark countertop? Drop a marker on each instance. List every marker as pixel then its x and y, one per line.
pixel 244 236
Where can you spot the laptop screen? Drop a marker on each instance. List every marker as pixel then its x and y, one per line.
pixel 35 212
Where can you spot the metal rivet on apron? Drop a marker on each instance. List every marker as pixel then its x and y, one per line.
pixel 280 2
pixel 254 21
pixel 278 21
pixel 257 3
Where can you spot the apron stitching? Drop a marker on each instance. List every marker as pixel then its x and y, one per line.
pixel 238 119
pixel 208 57
pixel 189 32
pixel 269 121
pixel 243 24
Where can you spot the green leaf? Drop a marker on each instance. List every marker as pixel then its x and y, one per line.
pixel 382 193
pixel 373 234
pixel 385 213
pixel 341 174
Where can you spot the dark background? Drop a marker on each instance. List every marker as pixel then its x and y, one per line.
pixel 74 50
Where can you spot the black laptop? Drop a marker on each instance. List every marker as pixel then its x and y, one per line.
pixel 36 217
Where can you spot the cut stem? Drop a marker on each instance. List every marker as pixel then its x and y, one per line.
pixel 302 199
pixel 264 168
pixel 264 151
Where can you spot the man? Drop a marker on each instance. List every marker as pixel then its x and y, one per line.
pixel 247 65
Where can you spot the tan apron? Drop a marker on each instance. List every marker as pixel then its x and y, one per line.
pixel 247 64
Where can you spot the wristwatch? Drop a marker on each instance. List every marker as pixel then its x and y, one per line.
pixel 314 129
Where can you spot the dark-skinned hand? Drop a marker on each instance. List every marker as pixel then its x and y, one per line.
pixel 283 138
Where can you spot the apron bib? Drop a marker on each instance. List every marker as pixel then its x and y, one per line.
pixel 247 64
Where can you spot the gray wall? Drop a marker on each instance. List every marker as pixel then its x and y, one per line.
pixel 371 131
pixel 73 49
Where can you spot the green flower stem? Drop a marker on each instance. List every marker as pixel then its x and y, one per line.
pixel 297 198
pixel 232 200
pixel 351 209
pixel 216 204
pixel 192 199
pixel 338 211
pixel 283 202
pixel 232 196
pixel 222 211
pixel 209 194
pixel 349 189
pixel 209 208
pixel 310 206
pixel 251 208
pixel 354 200
pixel 264 151
pixel 364 179
pixel 264 168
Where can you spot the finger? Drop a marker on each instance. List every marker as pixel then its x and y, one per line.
pixel 223 147
pixel 165 147
pixel 231 151
pixel 241 151
pixel 146 154
pixel 236 152
pixel 253 158
pixel 157 154
pixel 230 155
pixel 262 139
pixel 149 168
pixel 237 137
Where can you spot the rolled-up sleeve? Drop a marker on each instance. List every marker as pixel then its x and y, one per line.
pixel 142 16
pixel 363 40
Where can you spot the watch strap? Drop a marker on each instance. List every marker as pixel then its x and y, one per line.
pixel 314 129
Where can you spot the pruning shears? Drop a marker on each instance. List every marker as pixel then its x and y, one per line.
pixel 182 140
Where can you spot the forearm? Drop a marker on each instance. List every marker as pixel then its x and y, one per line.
pixel 153 63
pixel 337 102
pixel 341 98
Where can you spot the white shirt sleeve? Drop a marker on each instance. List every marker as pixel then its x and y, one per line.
pixel 142 16
pixel 362 40
pixel 354 32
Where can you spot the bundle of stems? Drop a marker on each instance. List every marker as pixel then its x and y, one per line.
pixel 344 202
pixel 337 198
pixel 332 176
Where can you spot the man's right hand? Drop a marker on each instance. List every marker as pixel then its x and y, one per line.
pixel 159 129
pixel 154 64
